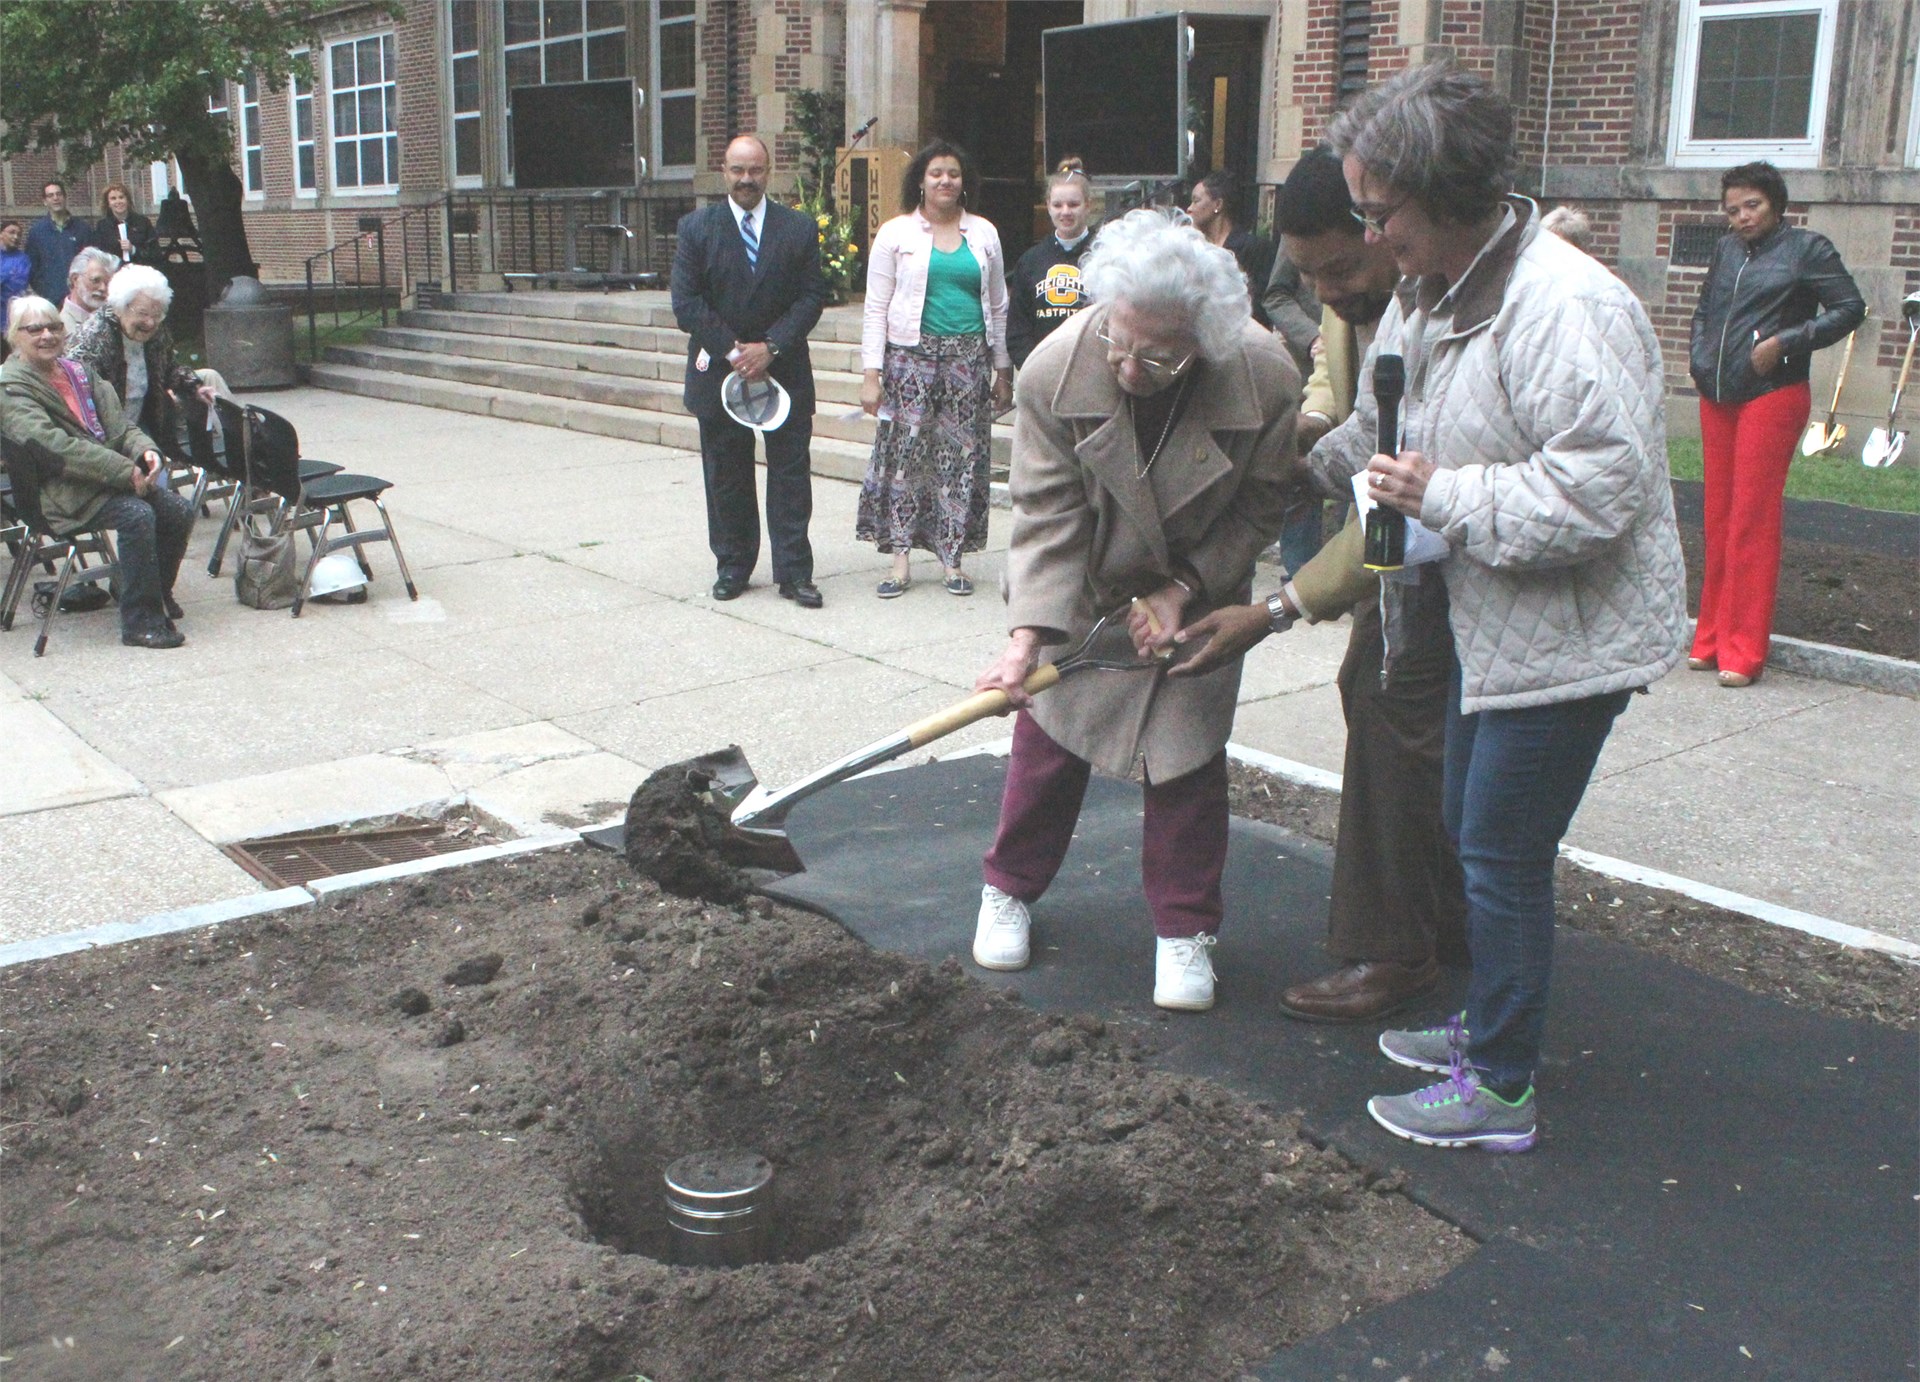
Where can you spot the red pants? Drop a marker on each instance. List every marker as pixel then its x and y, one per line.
pixel 1747 448
pixel 1183 848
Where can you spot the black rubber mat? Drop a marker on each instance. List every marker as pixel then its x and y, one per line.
pixel 1725 1187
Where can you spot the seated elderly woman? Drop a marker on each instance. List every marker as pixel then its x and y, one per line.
pixel 127 344
pixel 96 468
pixel 1153 460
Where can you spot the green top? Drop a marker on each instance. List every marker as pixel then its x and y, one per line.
pixel 953 294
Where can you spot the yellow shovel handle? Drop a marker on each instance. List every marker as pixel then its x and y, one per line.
pixel 976 707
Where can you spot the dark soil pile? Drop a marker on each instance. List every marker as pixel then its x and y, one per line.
pixel 1837 595
pixel 420 1133
pixel 1758 956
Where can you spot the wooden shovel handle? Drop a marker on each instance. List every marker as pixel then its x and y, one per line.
pixel 976 707
pixel 1840 380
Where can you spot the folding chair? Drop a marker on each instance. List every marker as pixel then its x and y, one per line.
pixel 41 546
pixel 243 501
pixel 272 451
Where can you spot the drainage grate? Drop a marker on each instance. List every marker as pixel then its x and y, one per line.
pixel 285 861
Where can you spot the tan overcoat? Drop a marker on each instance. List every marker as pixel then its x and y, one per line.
pixel 1089 532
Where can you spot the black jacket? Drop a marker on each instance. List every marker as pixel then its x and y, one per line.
pixel 1043 290
pixel 1255 253
pixel 718 299
pixel 1791 285
pixel 106 236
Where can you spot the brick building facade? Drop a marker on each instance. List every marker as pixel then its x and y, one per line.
pixel 1626 109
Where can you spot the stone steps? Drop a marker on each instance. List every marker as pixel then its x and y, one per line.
pixel 835 459
pixel 581 360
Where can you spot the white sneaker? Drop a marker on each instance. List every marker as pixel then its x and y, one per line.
pixel 1000 939
pixel 1183 973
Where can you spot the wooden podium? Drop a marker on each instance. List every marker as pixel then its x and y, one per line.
pixel 867 184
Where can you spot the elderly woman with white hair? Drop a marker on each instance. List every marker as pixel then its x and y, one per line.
pixel 1153 460
pixel 127 343
pixel 96 468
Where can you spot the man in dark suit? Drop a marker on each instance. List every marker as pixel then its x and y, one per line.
pixel 747 289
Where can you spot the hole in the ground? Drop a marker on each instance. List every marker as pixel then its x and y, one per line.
pixel 807 1204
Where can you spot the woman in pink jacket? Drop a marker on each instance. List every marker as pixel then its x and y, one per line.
pixel 934 352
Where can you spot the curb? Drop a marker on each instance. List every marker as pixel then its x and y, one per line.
pixel 1843 933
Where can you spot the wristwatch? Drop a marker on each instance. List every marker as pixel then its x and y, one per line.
pixel 1279 617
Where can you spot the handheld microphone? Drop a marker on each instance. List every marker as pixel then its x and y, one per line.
pixel 1386 535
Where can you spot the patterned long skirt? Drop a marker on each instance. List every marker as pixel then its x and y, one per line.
pixel 927 483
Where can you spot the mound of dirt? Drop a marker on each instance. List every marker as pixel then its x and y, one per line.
pixel 254 1152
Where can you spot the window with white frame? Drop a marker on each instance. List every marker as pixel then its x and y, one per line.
pixel 675 50
pixel 548 41
pixel 217 100
pixel 1751 82
pixel 253 173
pixel 306 170
pixel 463 89
pixel 365 137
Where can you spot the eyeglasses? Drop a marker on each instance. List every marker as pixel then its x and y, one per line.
pixel 38 327
pixel 1157 368
pixel 1376 221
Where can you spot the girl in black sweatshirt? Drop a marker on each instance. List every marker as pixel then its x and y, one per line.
pixel 1043 286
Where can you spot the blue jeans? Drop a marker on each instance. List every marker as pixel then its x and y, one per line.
pixel 1300 533
pixel 150 536
pixel 1513 781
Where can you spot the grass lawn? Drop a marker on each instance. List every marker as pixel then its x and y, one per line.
pixel 1837 479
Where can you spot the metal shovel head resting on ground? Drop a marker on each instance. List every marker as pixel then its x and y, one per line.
pixel 757 835
pixel 1884 444
pixel 1823 437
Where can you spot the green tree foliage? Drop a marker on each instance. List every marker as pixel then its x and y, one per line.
pixel 818 118
pixel 83 75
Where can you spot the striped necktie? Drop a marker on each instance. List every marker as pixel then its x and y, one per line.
pixel 753 241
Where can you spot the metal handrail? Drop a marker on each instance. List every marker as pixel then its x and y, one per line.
pixel 539 234
pixel 419 236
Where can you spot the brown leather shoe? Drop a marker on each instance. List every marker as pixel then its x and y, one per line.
pixel 1359 992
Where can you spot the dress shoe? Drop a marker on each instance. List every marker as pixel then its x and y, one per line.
pixel 1700 664
pixel 729 587
pixel 172 606
pixel 1735 679
pixel 154 636
pixel 1359 992
pixel 803 593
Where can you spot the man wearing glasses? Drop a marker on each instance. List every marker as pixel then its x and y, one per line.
pixel 1153 457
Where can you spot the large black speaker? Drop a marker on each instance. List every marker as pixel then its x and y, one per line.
pixel 1116 95
pixel 575 135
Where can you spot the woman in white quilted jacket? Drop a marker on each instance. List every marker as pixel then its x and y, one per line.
pixel 1534 443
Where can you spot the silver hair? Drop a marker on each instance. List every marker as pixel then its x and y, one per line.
pixel 138 281
pixel 1570 225
pixel 1438 134
pixel 1168 269
pixel 92 254
pixel 29 310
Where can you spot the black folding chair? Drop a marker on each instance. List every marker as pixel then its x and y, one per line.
pixel 226 462
pixel 272 451
pixel 38 545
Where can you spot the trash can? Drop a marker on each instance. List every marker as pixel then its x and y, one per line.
pixel 250 338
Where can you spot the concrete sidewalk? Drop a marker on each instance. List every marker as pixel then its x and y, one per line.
pixel 564 645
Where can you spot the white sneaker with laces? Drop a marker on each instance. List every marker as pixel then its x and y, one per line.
pixel 1000 938
pixel 1183 973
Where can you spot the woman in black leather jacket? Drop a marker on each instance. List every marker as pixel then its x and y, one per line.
pixel 1774 294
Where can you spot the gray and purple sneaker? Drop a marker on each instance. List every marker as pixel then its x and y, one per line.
pixel 1432 1048
pixel 1458 1112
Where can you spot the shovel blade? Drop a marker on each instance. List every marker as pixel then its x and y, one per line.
pixel 1821 439
pixel 1883 448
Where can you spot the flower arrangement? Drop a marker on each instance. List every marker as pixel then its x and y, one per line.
pixel 818 117
pixel 838 259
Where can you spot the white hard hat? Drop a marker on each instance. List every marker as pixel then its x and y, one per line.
pixel 760 404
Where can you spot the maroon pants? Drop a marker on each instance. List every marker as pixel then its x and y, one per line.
pixel 1183 848
pixel 1746 449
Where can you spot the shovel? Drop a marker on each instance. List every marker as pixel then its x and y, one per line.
pixel 756 836
pixel 1823 437
pixel 1884 444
